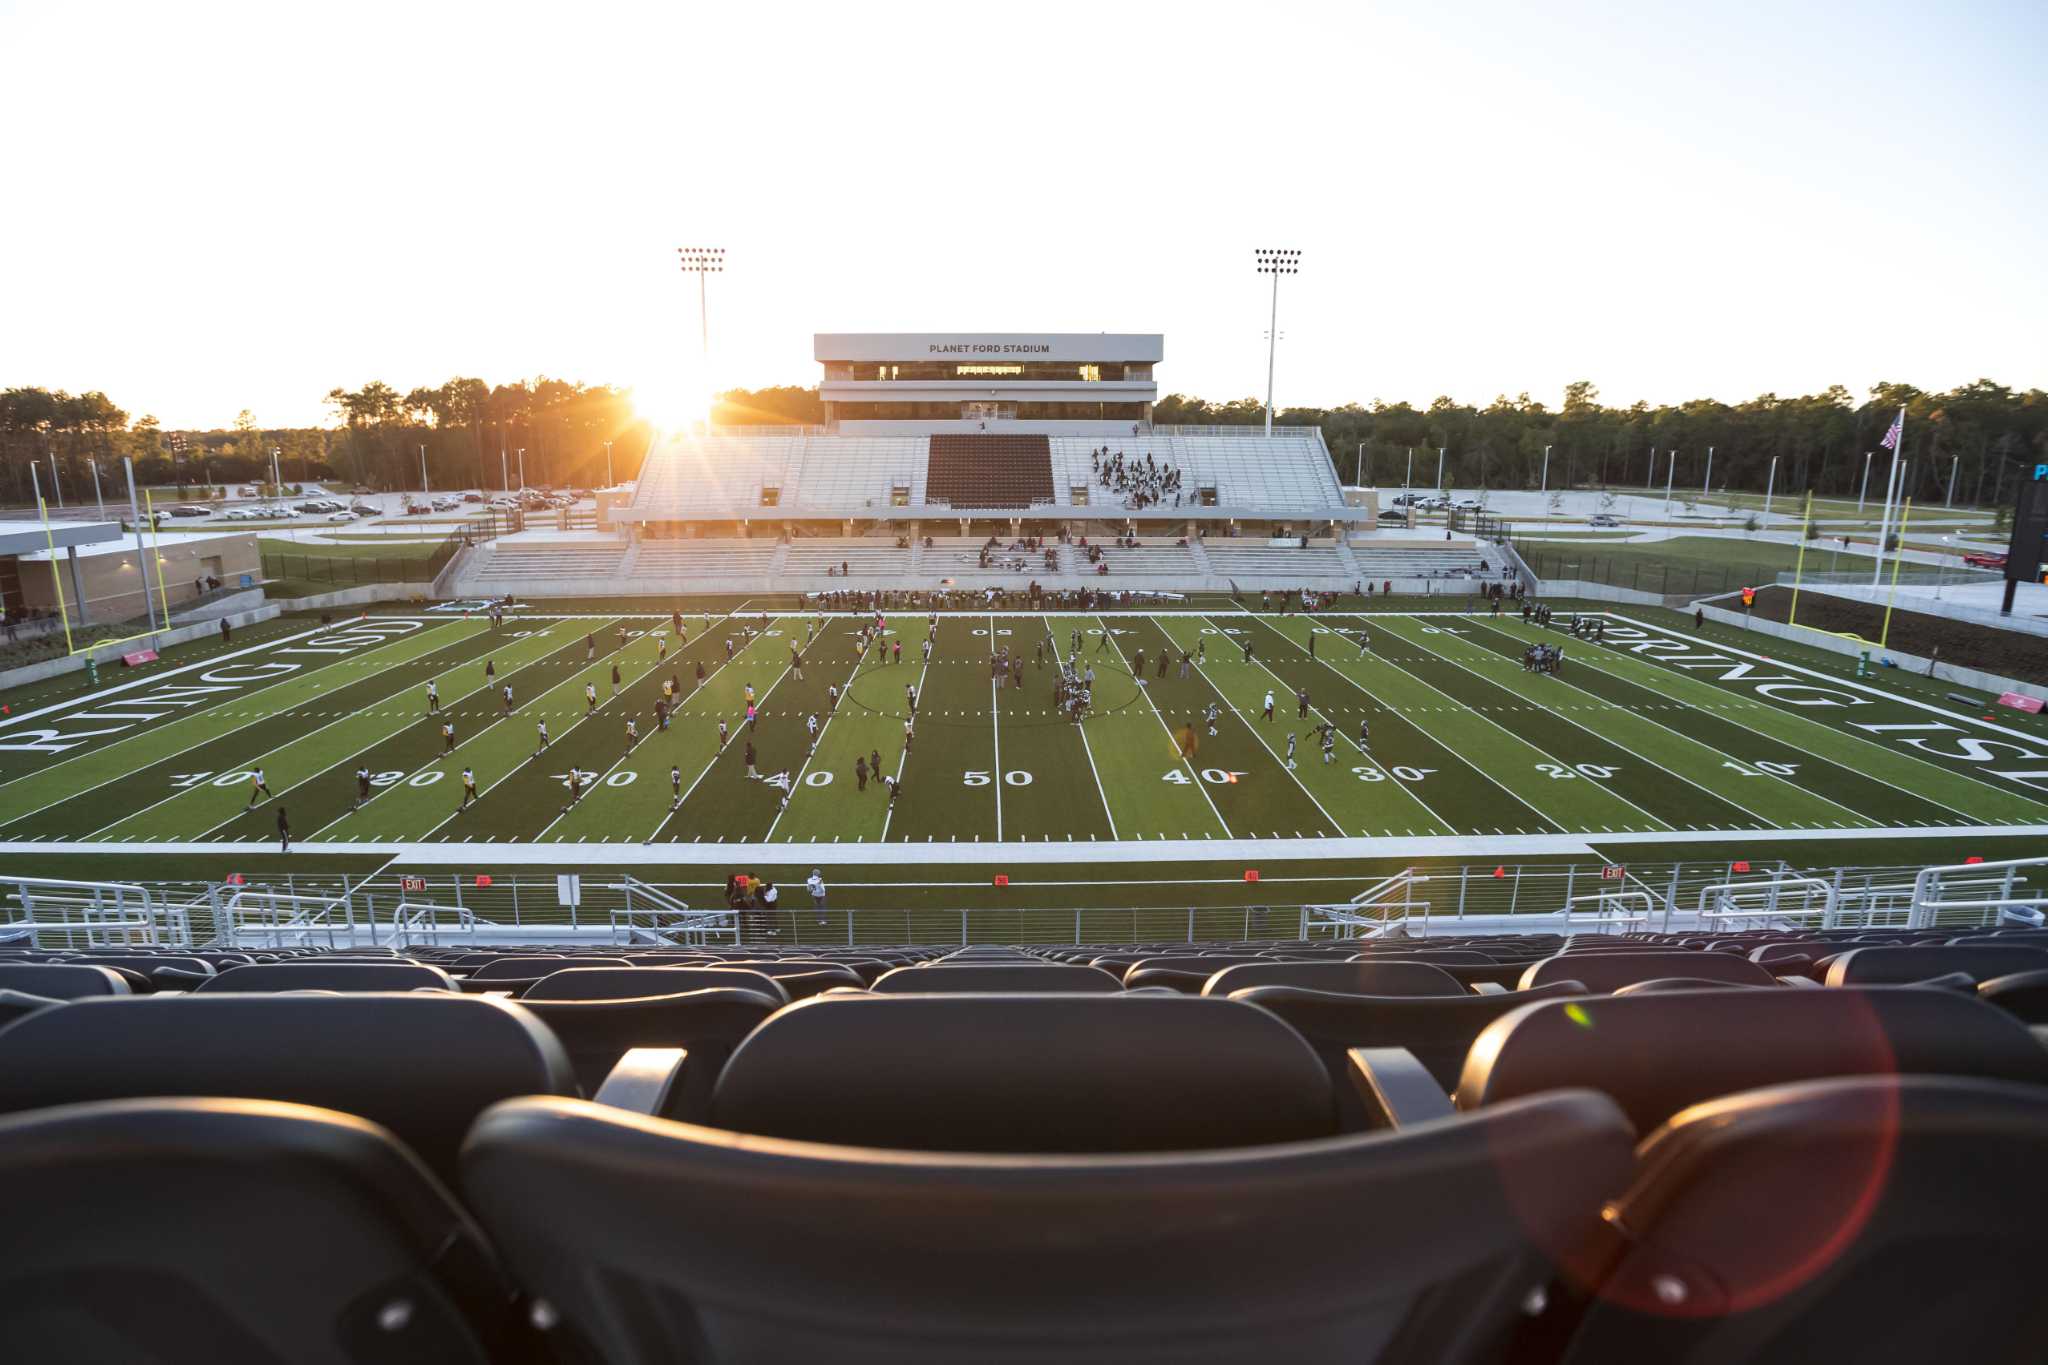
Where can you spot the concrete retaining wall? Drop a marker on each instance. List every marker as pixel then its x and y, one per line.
pixel 111 653
pixel 1835 644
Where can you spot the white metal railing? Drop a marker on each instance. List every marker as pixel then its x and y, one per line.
pixel 96 914
pixel 277 919
pixel 420 922
pixel 1609 910
pixel 1387 895
pixel 1930 907
pixel 1730 903
pixel 653 913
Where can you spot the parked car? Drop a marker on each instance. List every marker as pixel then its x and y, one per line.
pixel 1604 522
pixel 343 515
pixel 188 510
pixel 472 497
pixel 1394 514
pixel 1986 559
pixel 1468 504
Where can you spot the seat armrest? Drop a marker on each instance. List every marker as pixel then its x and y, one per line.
pixel 1395 1087
pixel 1488 988
pixel 1801 981
pixel 643 1079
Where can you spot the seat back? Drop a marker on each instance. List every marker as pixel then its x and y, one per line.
pixel 327 976
pixel 1036 1260
pixel 1896 1219
pixel 120 1245
pixel 1879 965
pixel 1036 1073
pixel 534 965
pixel 708 1024
pixel 1381 978
pixel 61 980
pixel 422 1064
pixel 1657 1053
pixel 1607 971
pixel 1437 1030
pixel 984 978
pixel 627 983
pixel 2023 995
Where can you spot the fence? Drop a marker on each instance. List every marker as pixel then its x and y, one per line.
pixel 345 568
pixel 1640 571
pixel 1540 892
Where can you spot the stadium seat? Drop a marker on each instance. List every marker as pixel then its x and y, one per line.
pixel 1878 965
pixel 985 977
pixel 151 964
pixel 327 976
pixel 707 1023
pixel 1607 971
pixel 14 1004
pixel 1437 1030
pixel 1393 976
pixel 2024 995
pixel 947 1234
pixel 61 980
pixel 803 978
pixel 1088 1073
pixel 1655 1054
pixel 423 1064
pixel 631 983
pixel 1188 981
pixel 1876 1220
pixel 534 966
pixel 236 1232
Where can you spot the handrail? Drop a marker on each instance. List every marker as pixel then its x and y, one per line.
pixel 1605 917
pixel 99 910
pixel 1728 895
pixel 409 915
pixel 1927 885
pixel 303 923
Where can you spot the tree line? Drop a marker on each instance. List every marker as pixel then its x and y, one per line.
pixel 472 434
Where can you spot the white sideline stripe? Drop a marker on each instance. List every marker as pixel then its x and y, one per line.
pixel 450 854
pixel 70 703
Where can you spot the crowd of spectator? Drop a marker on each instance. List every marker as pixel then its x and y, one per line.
pixel 1142 480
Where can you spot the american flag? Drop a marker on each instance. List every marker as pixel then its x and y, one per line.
pixel 1892 437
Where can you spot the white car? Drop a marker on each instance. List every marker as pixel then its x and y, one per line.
pixel 343 515
pixel 505 504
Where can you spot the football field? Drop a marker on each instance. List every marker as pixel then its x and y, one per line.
pixel 1438 739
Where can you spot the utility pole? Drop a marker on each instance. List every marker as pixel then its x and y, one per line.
pixel 101 498
pixel 424 490
pixel 141 552
pixel 1955 462
pixel 1408 479
pixel 1275 263
pixel 1543 484
pixel 1439 469
pixel 1670 475
pixel 56 486
pixel 522 469
pixel 1770 486
pixel 1865 486
pixel 1707 484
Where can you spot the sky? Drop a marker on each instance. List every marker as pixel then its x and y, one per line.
pixel 215 207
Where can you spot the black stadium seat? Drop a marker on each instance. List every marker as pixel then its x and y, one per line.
pixel 987 977
pixel 1437 1030
pixel 534 966
pixel 707 1023
pixel 327 976
pixel 61 980
pixel 1877 965
pixel 1656 1054
pixel 423 1064
pixel 1607 971
pixel 1873 1220
pixel 927 1178
pixel 2023 995
pixel 236 1232
pixel 1384 977
pixel 629 983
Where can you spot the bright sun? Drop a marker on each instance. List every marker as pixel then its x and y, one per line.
pixel 672 402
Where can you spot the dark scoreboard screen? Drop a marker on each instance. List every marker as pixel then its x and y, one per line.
pixel 2029 549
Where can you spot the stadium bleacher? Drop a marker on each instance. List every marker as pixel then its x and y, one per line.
pixel 1779 1145
pixel 989 471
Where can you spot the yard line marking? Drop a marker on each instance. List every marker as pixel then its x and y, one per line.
pixel 1053 636
pixel 720 751
pixel 1383 767
pixel 902 759
pixel 804 767
pixel 1153 707
pixel 995 726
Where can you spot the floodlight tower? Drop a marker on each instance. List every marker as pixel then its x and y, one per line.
pixel 1276 263
pixel 701 261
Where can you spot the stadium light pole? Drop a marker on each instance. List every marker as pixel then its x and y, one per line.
pixel 423 469
pixel 1707 483
pixel 1670 476
pixel 1543 484
pixel 607 464
pixel 522 469
pixel 101 498
pixel 701 261
pixel 1865 488
pixel 1408 479
pixel 1955 463
pixel 1275 263
pixel 1770 486
pixel 1440 469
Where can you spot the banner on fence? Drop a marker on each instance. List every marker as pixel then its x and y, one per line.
pixel 2018 702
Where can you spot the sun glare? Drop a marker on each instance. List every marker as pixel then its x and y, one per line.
pixel 672 402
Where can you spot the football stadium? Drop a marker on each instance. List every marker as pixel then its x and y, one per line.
pixel 967 853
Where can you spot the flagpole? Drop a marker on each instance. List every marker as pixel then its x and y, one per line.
pixel 1891 489
pixel 1885 635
